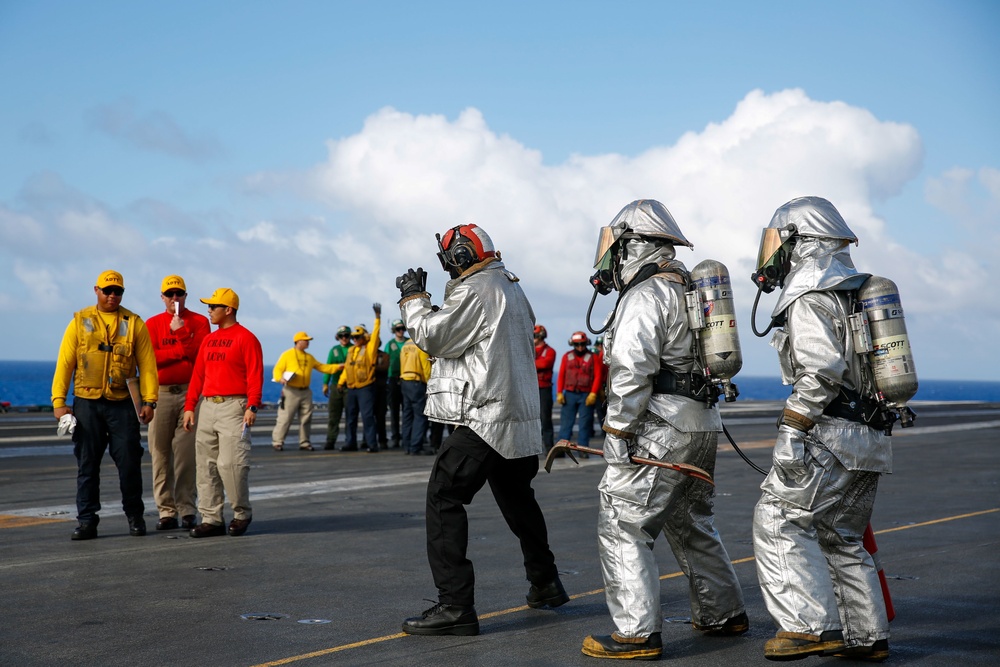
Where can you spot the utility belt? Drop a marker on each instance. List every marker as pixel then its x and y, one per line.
pixel 691 385
pixel 853 406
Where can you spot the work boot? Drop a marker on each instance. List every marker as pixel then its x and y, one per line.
pixel 444 619
pixel 624 648
pixel 798 645
pixel 734 626
pixel 87 530
pixel 136 526
pixel 877 652
pixel 549 595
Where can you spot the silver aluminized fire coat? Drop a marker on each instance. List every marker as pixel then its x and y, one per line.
pixel 484 374
pixel 818 497
pixel 639 502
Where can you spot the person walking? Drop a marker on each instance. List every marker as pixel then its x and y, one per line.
pixel 226 385
pixel 482 381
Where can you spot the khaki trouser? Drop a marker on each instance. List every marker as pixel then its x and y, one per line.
pixel 297 401
pixel 223 458
pixel 172 451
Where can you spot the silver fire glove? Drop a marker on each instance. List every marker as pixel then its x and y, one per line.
pixel 616 450
pixel 790 451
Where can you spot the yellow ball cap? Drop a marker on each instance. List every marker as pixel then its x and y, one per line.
pixel 302 335
pixel 225 297
pixel 110 279
pixel 173 282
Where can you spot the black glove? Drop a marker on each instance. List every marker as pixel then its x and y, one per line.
pixel 412 282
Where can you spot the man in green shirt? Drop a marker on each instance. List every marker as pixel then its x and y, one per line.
pixel 393 348
pixel 338 355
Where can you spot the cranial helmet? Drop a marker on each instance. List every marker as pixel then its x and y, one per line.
pixel 579 337
pixel 463 246
pixel 343 331
pixel 540 331
pixel 804 217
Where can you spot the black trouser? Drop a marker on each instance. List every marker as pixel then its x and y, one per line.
pixel 381 405
pixel 545 404
pixel 395 404
pixel 463 466
pixel 106 425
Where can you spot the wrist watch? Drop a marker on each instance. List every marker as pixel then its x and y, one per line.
pixel 253 409
pixel 151 404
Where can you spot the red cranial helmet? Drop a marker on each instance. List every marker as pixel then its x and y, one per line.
pixel 463 246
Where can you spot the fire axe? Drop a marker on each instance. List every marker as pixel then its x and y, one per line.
pixel 570 447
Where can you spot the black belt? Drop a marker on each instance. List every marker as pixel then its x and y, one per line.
pixel 692 385
pixel 851 405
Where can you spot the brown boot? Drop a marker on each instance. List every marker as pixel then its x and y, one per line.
pixel 624 648
pixel 798 645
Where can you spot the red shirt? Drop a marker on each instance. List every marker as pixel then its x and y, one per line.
pixel 545 361
pixel 176 350
pixel 579 373
pixel 230 363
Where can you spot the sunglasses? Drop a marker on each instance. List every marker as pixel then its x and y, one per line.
pixel 174 294
pixel 117 291
pixel 213 306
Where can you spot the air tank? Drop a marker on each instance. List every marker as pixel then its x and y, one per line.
pixel 890 356
pixel 715 325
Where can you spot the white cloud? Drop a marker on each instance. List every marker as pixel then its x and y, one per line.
pixel 402 178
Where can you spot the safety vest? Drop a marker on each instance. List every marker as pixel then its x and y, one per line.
pixel 105 359
pixel 579 373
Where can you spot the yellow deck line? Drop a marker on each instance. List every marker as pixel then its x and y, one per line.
pixel 599 591
pixel 10 521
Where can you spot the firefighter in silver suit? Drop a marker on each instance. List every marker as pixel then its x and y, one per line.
pixel 653 413
pixel 820 585
pixel 483 381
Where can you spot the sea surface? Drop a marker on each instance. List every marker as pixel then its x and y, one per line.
pixel 29 383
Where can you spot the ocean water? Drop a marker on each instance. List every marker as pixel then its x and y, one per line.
pixel 27 383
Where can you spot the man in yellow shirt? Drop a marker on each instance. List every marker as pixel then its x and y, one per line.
pixel 294 372
pixel 414 372
pixel 359 378
pixel 102 350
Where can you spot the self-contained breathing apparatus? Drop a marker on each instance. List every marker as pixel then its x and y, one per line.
pixel 878 330
pixel 708 301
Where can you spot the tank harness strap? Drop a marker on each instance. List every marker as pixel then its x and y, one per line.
pixel 691 385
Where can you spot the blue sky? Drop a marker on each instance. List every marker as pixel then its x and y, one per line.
pixel 304 153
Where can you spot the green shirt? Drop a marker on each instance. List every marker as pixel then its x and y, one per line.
pixel 393 348
pixel 338 355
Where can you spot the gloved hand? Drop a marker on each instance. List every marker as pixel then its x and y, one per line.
pixel 326 390
pixel 560 399
pixel 790 451
pixel 616 450
pixel 591 399
pixel 377 307
pixel 342 389
pixel 412 282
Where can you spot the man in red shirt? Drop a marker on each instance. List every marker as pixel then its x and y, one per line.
pixel 577 387
pixel 545 361
pixel 176 335
pixel 229 374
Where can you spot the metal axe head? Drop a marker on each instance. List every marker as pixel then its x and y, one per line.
pixel 561 446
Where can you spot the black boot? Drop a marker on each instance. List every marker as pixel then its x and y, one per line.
pixel 136 526
pixel 87 530
pixel 550 595
pixel 624 648
pixel 444 619
pixel 734 626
